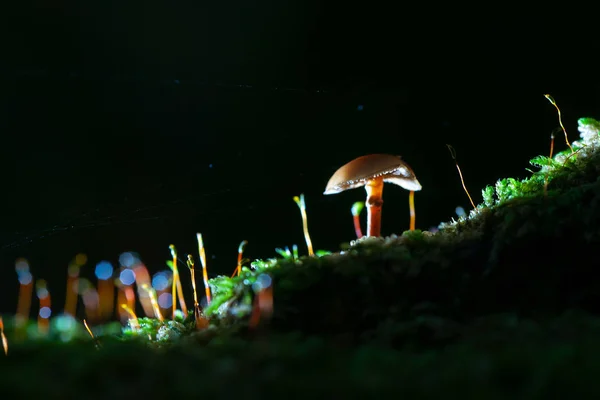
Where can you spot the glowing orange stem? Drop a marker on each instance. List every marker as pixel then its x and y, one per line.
pixel 411 202
pixel 374 203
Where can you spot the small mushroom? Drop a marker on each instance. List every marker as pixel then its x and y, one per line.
pixel 371 171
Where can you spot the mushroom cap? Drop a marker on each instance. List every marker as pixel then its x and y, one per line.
pixel 363 169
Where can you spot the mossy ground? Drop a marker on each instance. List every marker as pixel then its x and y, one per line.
pixel 500 303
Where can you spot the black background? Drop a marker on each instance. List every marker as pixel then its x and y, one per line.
pixel 134 126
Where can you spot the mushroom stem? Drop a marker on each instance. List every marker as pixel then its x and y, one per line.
pixel 411 203
pixel 374 203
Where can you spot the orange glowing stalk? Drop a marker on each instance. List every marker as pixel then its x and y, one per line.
pixel 203 262
pixel 72 277
pixel 3 336
pixel 152 294
pixel 133 320
pixel 300 202
pixel 142 276
pixel 25 295
pixel 551 100
pixel 96 342
pixel 201 322
pixel 411 204
pixel 125 295
pixel 263 300
pixel 177 289
pixel 462 181
pixel 190 264
pixel 45 306
pixel 238 269
pixel 550 160
pixel 106 293
pixel 90 298
pixel 106 289
pixel 88 329
pixel 356 210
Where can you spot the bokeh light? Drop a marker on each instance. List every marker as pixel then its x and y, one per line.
pixel 90 298
pixel 165 300
pixel 21 265
pixel 128 259
pixel 262 282
pixel 41 290
pixel 161 280
pixel 80 259
pixel 25 277
pixel 127 277
pixel 45 312
pixel 64 322
pixel 104 270
pixel 73 270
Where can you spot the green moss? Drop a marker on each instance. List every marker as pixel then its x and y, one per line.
pixel 515 252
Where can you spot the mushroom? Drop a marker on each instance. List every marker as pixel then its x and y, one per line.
pixel 371 171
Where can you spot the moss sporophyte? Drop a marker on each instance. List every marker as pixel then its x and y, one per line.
pixel 377 277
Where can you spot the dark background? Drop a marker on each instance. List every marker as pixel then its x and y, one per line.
pixel 131 127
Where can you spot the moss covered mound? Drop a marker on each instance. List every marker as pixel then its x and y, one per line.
pixel 531 248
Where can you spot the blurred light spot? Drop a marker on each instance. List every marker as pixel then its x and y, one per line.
pixel 83 284
pixel 127 277
pixel 64 322
pixel 45 312
pixel 73 270
pixel 160 281
pixel 359 108
pixel 210 165
pixel 80 259
pixel 263 281
pixel 128 259
pixel 21 265
pixel 25 278
pixel 90 298
pixel 42 293
pixel 460 211
pixel 176 81
pixel 104 270
pixel 165 300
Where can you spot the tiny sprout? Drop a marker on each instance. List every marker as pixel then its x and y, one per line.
pixel 87 328
pixel 177 290
pixel 551 100
pixel 153 301
pixel 285 253
pixel 300 202
pixel 136 323
pixel 203 262
pixel 238 268
pixel 3 336
pixel 549 160
pixel 462 181
pixel 356 210
pixel 201 322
